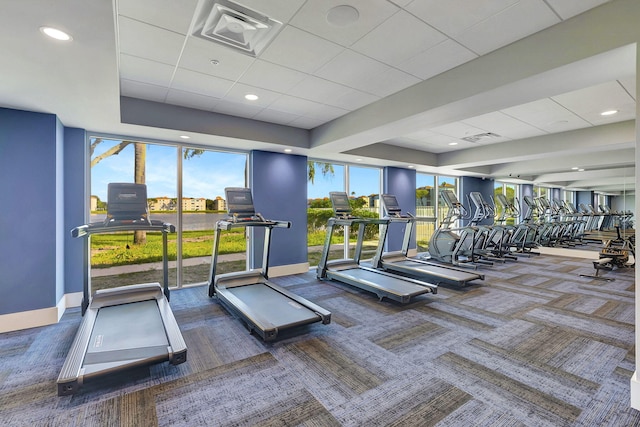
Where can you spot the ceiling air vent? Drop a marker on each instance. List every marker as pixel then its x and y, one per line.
pixel 235 26
pixel 481 136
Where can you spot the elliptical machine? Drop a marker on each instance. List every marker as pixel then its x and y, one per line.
pixel 454 246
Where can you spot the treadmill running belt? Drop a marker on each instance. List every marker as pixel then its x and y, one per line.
pixel 447 273
pixel 272 305
pixel 127 331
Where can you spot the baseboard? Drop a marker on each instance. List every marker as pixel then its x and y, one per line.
pixel 28 319
pixel 41 317
pixel 635 392
pixel 286 270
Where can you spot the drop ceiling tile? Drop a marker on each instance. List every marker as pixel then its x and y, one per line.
pixel 191 81
pixel 191 100
pixel 595 98
pixel 447 16
pixel 274 116
pixel 516 22
pixel 198 54
pixel 568 8
pixel 325 112
pixel 304 122
pixel 169 14
pixel 547 115
pixel 401 3
pixel 293 105
pixel 237 109
pixel 387 82
pixel 144 70
pixel 280 10
pixel 142 90
pixel 352 99
pixel 297 49
pixel 238 91
pixel 629 84
pixel 312 17
pixel 149 42
pixel 349 67
pixel 397 39
pixel 437 59
pixel 317 89
pixel 271 76
pixel 503 125
pixel 457 130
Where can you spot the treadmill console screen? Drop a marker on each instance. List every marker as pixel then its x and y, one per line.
pixel 127 202
pixel 340 202
pixel 391 204
pixel 239 201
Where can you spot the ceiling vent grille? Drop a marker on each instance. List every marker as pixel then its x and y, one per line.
pixel 481 136
pixel 235 26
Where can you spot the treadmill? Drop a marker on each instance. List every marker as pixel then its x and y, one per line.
pixel 349 271
pixel 266 308
pixel 399 262
pixel 127 326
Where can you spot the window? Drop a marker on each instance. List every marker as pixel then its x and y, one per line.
pixel 362 185
pixel 185 187
pixel 426 203
pixel 205 175
pixel 510 192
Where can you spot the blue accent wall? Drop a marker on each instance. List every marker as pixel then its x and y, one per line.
pixel 75 250
pixel 401 183
pixel 279 186
pixel 28 159
pixel 585 197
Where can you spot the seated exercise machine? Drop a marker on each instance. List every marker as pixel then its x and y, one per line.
pixel 612 256
pixel 266 308
pixel 349 270
pixel 399 261
pixel 127 326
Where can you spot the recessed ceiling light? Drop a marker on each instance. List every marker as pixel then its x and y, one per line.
pixel 184 137
pixel 575 168
pixel 453 143
pixel 608 112
pixel 358 160
pixel 288 150
pixel 54 33
pixel 251 97
pixel 581 170
pixel 411 166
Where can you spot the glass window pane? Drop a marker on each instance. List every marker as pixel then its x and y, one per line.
pixel 205 175
pixel 126 258
pixel 425 208
pixel 322 178
pixel 364 192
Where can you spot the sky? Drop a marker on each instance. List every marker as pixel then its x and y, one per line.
pixel 207 175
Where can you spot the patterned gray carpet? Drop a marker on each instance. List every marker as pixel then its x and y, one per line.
pixel 532 345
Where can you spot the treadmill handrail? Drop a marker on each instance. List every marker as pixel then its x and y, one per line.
pixel 115 226
pixel 257 221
